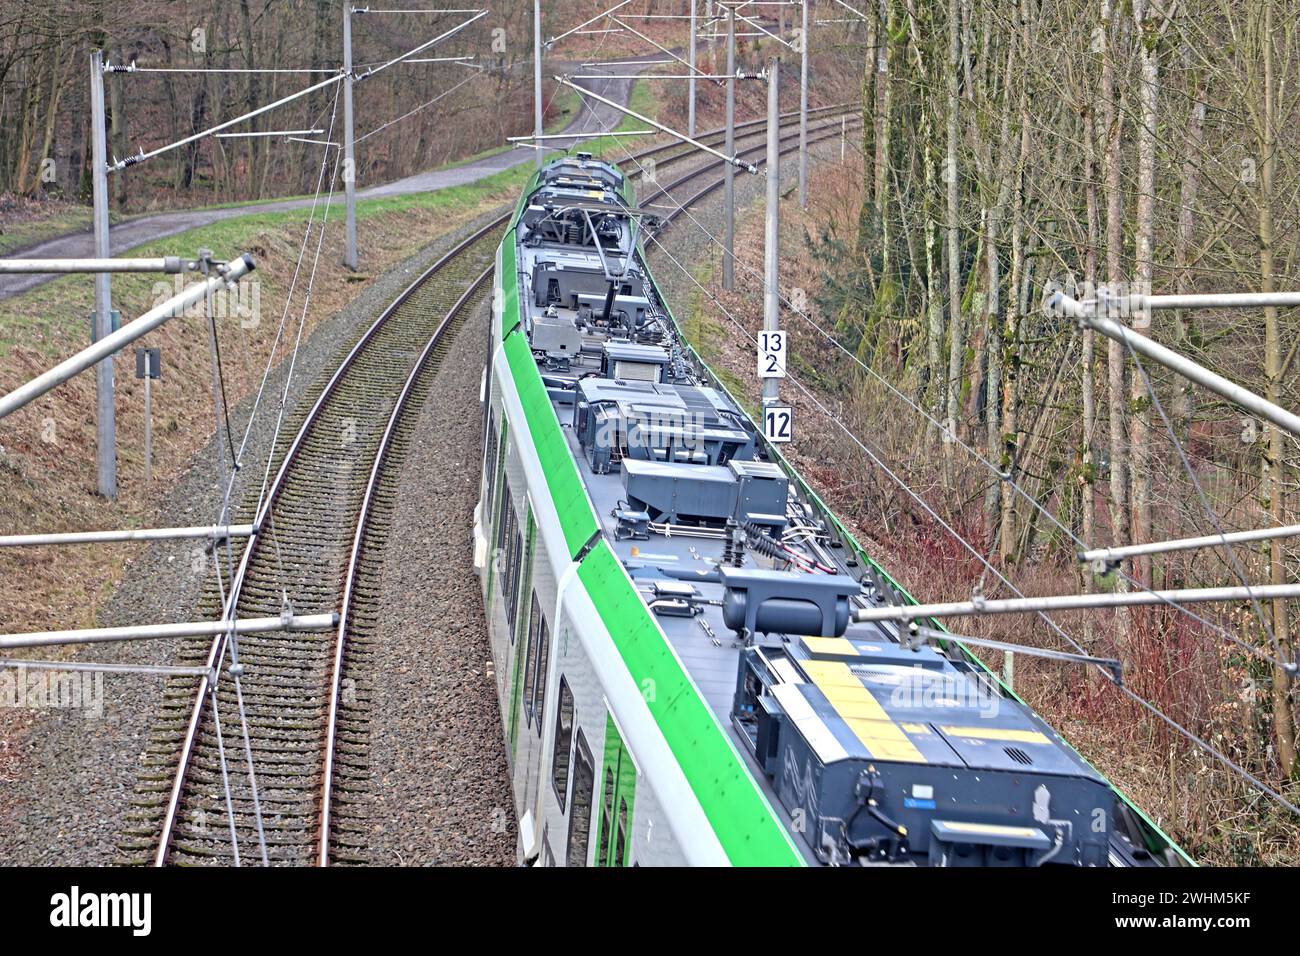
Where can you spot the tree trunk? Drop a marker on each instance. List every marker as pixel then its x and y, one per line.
pixel 1140 422
pixel 1087 457
pixel 1184 396
pixel 1283 723
pixel 956 331
pixel 1115 353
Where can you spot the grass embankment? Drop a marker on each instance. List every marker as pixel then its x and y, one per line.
pixel 47 450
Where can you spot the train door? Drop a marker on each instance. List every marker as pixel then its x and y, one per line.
pixel 520 612
pixel 496 500
pixel 618 790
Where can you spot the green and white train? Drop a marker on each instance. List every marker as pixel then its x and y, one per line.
pixel 670 606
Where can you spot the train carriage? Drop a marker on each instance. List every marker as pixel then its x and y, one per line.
pixel 670 609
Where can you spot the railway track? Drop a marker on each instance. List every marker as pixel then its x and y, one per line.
pixel 322 524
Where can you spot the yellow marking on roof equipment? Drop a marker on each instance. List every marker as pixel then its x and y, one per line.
pixel 998 733
pixel 830 645
pixel 860 710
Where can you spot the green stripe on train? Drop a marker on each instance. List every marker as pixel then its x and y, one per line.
pixel 740 815
pixel 564 485
pixel 508 273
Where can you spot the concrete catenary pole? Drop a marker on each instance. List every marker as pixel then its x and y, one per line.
pixel 350 258
pixel 537 79
pixel 729 182
pixel 106 419
pixel 690 115
pixel 772 233
pixel 803 108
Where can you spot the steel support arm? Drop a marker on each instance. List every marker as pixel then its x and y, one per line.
pixel 1074 602
pixel 1086 313
pixel 1114 555
pixel 95 635
pixel 215 532
pixel 167 264
pixel 114 342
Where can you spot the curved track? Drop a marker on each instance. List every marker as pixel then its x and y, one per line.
pixel 322 523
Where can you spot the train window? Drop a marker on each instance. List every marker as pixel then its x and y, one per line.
pixel 490 457
pixel 584 780
pixel 620 842
pixel 522 570
pixel 514 546
pixel 535 679
pixel 543 650
pixel 606 817
pixel 563 743
pixel 530 665
pixel 497 494
pixel 505 523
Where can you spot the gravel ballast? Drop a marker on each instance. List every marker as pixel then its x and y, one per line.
pixel 440 787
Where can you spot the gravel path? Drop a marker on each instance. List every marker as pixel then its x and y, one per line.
pixel 440 786
pixel 132 232
pixel 69 799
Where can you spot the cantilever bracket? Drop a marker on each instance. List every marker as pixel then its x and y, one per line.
pixel 919 635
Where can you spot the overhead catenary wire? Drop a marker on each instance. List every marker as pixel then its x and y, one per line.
pixel 253 134
pixel 586 23
pixel 231 650
pixel 461 10
pixel 763 31
pixel 222 413
pixel 1211 513
pixel 422 47
pixel 660 47
pixel 143 156
pixel 410 113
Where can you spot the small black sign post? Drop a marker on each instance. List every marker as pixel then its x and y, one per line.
pixel 148 366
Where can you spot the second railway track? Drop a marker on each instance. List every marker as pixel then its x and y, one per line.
pixel 322 525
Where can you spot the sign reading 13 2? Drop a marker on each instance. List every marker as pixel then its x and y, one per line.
pixel 771 354
pixel 778 424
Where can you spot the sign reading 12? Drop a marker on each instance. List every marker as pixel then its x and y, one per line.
pixel 778 424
